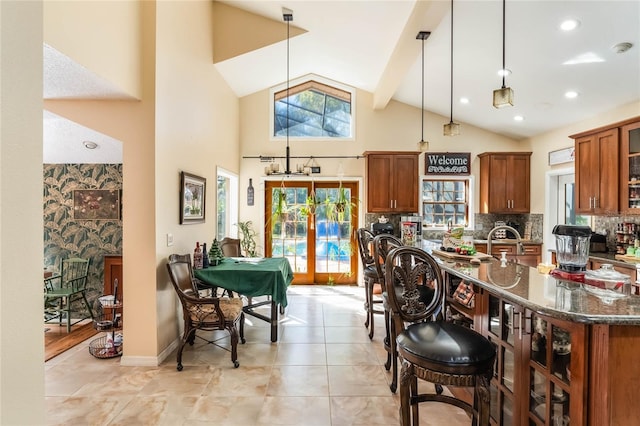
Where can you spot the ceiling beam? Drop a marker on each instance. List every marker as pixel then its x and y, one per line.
pixel 426 16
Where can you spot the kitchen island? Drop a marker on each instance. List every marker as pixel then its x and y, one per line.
pixel 565 354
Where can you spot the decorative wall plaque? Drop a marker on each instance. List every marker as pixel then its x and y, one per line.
pixel 447 163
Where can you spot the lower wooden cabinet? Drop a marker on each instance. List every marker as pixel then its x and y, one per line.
pixel 112 271
pixel 532 252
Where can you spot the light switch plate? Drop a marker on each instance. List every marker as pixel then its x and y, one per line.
pixel 169 240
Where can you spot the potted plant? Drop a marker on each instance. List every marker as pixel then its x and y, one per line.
pixel 248 238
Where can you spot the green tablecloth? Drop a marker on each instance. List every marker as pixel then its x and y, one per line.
pixel 251 277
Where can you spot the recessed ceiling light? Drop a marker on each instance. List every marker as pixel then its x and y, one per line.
pixel 571 94
pixel 504 72
pixel 569 24
pixel 622 47
pixel 90 144
pixel 464 100
pixel 518 118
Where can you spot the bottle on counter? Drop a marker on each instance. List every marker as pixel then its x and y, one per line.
pixel 197 257
pixel 205 256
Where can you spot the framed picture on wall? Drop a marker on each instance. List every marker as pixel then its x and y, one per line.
pixel 192 198
pixel 96 204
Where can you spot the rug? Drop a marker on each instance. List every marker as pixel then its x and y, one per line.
pixel 57 340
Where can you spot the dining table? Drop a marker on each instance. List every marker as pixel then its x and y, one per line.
pixel 253 277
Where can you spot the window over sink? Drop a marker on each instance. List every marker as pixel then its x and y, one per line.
pixel 446 201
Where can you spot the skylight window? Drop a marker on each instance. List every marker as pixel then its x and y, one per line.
pixel 315 110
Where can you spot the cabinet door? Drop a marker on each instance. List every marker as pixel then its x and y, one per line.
pixel 630 169
pixel 586 173
pixel 405 183
pixel 597 168
pixel 609 168
pixel 518 191
pixel 379 168
pixel 498 198
pixel 554 360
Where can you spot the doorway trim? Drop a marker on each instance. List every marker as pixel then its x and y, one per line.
pixel 550 208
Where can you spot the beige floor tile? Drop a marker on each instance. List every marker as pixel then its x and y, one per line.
pixel 361 380
pixel 364 410
pixel 151 410
pixel 223 410
pixel 356 334
pixel 300 411
pixel 351 354
pixel 84 410
pixel 292 380
pixel 301 354
pixel 247 381
pixel 303 335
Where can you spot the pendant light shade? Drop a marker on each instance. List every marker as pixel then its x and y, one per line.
pixel 503 97
pixel 423 145
pixel 452 128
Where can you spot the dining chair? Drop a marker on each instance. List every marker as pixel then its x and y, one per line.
pixel 230 247
pixel 204 313
pixel 440 352
pixel 62 290
pixel 371 285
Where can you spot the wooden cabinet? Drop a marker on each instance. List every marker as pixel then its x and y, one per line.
pixel 596 172
pixel 113 270
pixel 532 252
pixel 392 182
pixel 505 182
pixel 630 168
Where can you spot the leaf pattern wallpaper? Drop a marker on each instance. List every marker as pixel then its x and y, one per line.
pixel 65 236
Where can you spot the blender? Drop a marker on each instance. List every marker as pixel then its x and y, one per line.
pixel 572 251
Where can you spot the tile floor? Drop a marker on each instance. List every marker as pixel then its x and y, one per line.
pixel 324 370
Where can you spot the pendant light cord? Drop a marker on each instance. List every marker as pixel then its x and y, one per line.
pixel 451 70
pixel 504 70
pixel 422 111
pixel 288 100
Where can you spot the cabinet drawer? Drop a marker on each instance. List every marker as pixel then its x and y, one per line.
pixel 532 249
pixel 507 248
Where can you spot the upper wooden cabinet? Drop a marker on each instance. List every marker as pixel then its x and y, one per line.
pixel 392 182
pixel 504 182
pixel 630 168
pixel 603 169
pixel 597 161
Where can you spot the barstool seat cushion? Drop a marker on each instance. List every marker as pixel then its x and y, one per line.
pixel 447 345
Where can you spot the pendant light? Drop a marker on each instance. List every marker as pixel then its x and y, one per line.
pixel 451 129
pixel 503 97
pixel 423 145
pixel 287 16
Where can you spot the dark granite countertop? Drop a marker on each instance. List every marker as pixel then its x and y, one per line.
pixel 545 294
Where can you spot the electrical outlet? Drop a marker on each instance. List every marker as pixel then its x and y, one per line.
pixel 479 227
pixel 169 240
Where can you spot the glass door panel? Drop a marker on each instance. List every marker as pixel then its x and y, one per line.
pixel 321 247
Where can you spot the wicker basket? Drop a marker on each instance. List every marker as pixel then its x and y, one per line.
pixel 104 347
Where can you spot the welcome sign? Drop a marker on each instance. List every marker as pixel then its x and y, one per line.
pixel 447 163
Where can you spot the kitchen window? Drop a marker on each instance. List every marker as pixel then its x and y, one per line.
pixel 446 201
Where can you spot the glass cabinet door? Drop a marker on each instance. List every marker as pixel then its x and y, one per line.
pixel 503 331
pixel 630 153
pixel 549 366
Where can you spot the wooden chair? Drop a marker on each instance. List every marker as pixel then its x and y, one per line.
pixel 371 284
pixel 204 313
pixel 61 291
pixel 230 247
pixel 440 352
pixel 382 245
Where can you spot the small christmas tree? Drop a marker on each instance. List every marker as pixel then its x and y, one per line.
pixel 215 253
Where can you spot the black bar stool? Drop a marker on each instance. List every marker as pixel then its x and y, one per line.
pixel 439 352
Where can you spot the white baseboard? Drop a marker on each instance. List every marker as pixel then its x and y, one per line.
pixel 149 361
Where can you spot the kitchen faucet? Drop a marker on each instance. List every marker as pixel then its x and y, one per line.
pixel 520 246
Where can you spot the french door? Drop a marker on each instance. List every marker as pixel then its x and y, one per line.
pixel 319 243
